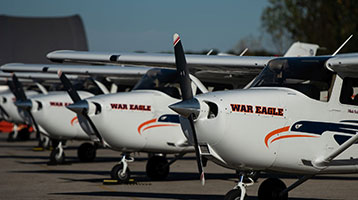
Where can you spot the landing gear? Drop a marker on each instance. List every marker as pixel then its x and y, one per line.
pixel 233 194
pixel 57 155
pixel 44 142
pixel 121 171
pixel 157 168
pixel 239 191
pixel 271 189
pixel 86 152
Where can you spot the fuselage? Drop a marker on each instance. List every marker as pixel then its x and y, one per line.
pixel 51 114
pixel 139 121
pixel 279 129
pixel 13 113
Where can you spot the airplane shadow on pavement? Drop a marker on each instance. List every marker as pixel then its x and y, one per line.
pixel 145 195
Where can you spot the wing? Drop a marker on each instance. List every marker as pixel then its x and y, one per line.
pixel 23 76
pixel 117 74
pixel 344 65
pixel 233 70
pixel 156 59
pixel 76 69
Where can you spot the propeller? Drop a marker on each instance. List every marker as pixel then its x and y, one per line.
pixel 22 101
pixel 79 106
pixel 189 108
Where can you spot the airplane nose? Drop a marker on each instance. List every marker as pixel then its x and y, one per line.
pixel 79 106
pixel 187 107
pixel 24 104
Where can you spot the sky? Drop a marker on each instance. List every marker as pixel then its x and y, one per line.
pixel 143 25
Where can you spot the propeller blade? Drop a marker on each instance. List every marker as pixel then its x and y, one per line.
pixel 187 95
pixel 79 106
pixel 69 87
pixel 182 70
pixel 23 102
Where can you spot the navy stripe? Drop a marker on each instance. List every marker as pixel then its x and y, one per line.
pixel 319 128
pixel 169 118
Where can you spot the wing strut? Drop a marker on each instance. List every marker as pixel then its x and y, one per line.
pixel 324 161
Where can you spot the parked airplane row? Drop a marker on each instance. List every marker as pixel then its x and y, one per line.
pixel 286 100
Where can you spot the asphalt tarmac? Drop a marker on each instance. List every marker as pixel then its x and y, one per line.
pixel 25 175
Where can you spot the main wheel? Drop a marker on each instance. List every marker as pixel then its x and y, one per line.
pixel 234 194
pixel 56 157
pixel 86 152
pixel 23 135
pixel 116 173
pixel 271 188
pixel 157 168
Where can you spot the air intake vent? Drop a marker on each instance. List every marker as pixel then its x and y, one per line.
pixel 213 110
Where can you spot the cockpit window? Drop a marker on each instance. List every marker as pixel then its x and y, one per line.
pixel 164 80
pixel 349 92
pixel 307 75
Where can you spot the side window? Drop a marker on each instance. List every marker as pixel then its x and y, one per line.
pixel 349 92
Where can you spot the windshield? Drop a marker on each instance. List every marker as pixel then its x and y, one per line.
pixel 164 80
pixel 307 75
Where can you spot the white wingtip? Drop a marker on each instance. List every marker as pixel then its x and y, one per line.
pixel 176 38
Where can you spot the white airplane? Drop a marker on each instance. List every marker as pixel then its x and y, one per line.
pixel 139 121
pixel 298 117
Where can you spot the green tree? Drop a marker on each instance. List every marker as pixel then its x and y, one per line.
pixel 325 22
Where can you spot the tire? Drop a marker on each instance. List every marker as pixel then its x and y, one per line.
pixel 86 152
pixel 233 194
pixel 271 188
pixel 157 168
pixel 55 158
pixel 116 173
pixel 23 135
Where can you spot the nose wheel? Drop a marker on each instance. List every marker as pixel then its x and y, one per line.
pixel 44 142
pixel 121 171
pixel 239 191
pixel 57 155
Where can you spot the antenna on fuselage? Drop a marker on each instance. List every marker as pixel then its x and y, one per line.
pixel 344 43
